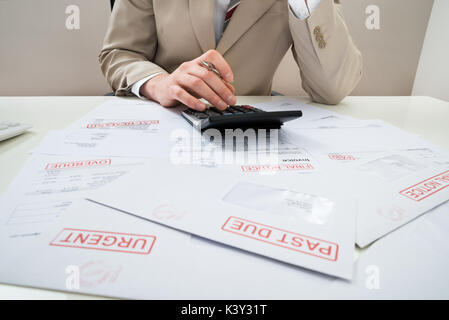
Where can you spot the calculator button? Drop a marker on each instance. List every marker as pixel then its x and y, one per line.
pixel 235 109
pixel 216 110
pixel 211 113
pixel 201 116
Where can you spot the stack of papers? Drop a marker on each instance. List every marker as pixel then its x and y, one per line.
pixel 131 201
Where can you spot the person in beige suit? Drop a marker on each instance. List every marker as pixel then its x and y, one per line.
pixel 157 46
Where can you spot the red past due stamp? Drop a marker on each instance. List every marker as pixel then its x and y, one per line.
pixel 104 240
pixel 293 241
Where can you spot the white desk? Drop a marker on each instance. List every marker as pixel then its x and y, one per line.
pixel 424 116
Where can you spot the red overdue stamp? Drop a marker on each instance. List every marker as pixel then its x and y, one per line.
pixel 280 167
pixel 121 124
pixel 341 157
pixel 104 240
pixel 78 164
pixel 286 239
pixel 428 187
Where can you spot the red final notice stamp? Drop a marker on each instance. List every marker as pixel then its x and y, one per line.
pixel 293 241
pixel 104 240
pixel 341 157
pixel 280 167
pixel 428 187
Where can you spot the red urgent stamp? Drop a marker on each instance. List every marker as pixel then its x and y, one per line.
pixel 341 157
pixel 104 240
pixel 78 164
pixel 293 241
pixel 426 188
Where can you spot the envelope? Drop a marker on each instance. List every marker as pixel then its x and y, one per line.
pixel 410 263
pixel 96 250
pixel 299 219
pixel 384 208
pixel 47 186
pixel 332 136
pixel 396 187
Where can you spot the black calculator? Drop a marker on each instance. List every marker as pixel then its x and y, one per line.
pixel 243 117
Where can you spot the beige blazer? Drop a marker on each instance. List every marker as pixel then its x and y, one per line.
pixel 150 36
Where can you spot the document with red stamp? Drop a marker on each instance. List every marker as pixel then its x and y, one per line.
pixel 97 250
pixel 107 130
pixel 48 185
pixel 299 221
pixel 398 187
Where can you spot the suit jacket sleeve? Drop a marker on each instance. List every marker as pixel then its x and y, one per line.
pixel 129 45
pixel 331 72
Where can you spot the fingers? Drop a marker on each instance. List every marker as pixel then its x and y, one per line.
pixel 220 63
pixel 200 88
pixel 231 87
pixel 192 81
pixel 225 92
pixel 186 98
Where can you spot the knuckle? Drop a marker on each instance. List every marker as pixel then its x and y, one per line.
pixel 175 91
pixel 191 101
pixel 210 77
pixel 184 66
pixel 215 100
pixel 196 82
pixel 171 91
pixel 224 96
pixel 211 53
pixel 223 91
pixel 203 73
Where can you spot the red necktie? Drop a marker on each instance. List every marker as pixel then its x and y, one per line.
pixel 233 5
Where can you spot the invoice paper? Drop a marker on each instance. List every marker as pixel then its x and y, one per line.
pixel 106 143
pixel 120 127
pixel 249 151
pixel 309 112
pixel 394 188
pixel 410 263
pixel 48 185
pixel 327 137
pixel 123 114
pixel 299 221
pixel 97 250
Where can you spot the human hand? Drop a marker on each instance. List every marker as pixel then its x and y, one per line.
pixel 191 81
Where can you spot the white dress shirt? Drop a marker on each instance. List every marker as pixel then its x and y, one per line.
pixel 298 7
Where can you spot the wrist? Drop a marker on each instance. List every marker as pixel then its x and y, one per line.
pixel 149 88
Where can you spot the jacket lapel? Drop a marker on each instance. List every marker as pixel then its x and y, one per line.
pixel 202 15
pixel 247 14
